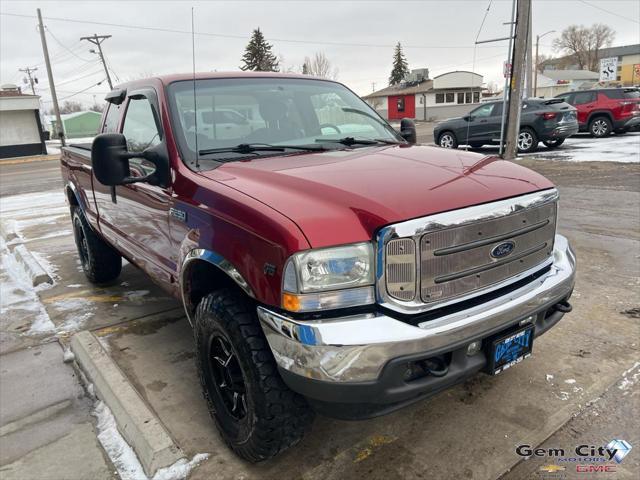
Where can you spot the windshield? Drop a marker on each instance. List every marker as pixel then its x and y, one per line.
pixel 272 111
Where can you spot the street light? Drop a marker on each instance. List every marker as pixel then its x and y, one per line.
pixel 535 67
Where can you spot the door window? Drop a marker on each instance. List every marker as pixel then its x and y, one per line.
pixel 483 111
pixel 582 98
pixel 401 104
pixel 497 109
pixel 141 131
pixel 111 119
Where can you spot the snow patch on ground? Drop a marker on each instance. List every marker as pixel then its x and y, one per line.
pixel 76 312
pixel 549 377
pixel 630 377
pixel 125 459
pixel 570 381
pixel 583 148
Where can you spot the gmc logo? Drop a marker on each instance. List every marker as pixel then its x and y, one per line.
pixel 595 468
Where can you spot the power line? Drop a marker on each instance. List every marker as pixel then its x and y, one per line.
pixel 84 90
pixel 243 37
pixel 608 11
pixel 79 78
pixel 64 46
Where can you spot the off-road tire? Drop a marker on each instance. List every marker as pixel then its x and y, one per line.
pixel 447 139
pixel 276 417
pixel 555 143
pixel 101 263
pixel 600 127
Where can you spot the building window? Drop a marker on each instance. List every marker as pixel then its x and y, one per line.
pixel 460 97
pixel 467 97
pixel 476 97
pixel 439 97
pixel 450 97
pixel 400 104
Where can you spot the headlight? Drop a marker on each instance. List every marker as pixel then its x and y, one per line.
pixel 329 278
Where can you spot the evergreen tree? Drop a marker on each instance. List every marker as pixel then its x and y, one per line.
pixel 400 67
pixel 257 55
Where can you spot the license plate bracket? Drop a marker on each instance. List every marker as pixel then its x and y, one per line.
pixel 510 349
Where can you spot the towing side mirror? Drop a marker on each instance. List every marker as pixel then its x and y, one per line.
pixel 110 161
pixel 408 130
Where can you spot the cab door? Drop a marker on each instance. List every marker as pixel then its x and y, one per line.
pixel 479 124
pixel 136 216
pixel 584 102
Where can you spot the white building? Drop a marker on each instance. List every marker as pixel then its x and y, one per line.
pixel 448 95
pixel 21 132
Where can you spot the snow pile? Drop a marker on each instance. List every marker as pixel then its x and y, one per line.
pixel 17 292
pixel 125 459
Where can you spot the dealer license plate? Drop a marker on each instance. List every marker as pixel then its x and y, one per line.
pixel 510 349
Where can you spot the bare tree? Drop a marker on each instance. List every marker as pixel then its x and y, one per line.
pixel 319 66
pixel 97 107
pixel 584 43
pixel 542 58
pixel 71 106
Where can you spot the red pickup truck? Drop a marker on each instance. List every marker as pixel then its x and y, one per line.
pixel 325 261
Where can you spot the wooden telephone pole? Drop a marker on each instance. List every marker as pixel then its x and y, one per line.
pixel 517 77
pixel 54 97
pixel 29 71
pixel 97 41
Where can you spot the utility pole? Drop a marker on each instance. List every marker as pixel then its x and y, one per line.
pixel 54 97
pixel 529 77
pixel 373 86
pixel 517 77
pixel 97 40
pixel 28 71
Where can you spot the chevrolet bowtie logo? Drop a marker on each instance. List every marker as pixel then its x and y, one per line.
pixel 552 468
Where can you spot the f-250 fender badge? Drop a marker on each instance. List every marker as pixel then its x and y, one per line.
pixel 179 214
pixel 503 249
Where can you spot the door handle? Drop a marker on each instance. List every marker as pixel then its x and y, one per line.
pixel 483 121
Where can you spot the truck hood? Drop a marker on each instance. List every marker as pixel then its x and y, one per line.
pixel 344 196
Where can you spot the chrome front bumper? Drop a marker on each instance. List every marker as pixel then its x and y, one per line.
pixel 356 348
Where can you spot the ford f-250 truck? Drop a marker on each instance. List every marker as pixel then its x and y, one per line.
pixel 325 261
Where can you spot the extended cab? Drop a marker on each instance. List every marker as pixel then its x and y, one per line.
pixel 325 261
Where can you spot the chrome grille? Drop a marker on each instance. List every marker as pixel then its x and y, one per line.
pixel 458 260
pixel 446 257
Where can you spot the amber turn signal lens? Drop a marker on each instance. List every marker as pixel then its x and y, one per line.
pixel 290 302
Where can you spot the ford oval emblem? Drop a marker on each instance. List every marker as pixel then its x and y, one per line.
pixel 503 249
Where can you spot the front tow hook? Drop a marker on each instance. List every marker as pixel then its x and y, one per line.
pixel 564 307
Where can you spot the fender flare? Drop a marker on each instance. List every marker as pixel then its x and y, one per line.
pixel 214 258
pixel 599 113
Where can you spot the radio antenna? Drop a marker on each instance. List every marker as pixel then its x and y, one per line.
pixel 195 108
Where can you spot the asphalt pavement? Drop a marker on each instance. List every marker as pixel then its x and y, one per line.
pixel 580 386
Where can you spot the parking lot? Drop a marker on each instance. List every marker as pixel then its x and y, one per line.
pixel 580 386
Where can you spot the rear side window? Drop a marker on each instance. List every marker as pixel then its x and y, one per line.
pixel 583 97
pixel 621 94
pixel 111 119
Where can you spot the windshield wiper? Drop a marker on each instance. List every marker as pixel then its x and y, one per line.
pixel 246 148
pixel 349 141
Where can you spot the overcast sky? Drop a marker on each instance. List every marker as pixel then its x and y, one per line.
pixel 357 36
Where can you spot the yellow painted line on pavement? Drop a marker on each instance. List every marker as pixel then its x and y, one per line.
pixel 90 298
pixel 39 158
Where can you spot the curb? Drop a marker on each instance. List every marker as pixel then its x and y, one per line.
pixel 38 274
pixel 8 231
pixel 137 423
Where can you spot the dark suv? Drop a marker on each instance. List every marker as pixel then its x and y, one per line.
pixel 605 110
pixel 548 121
